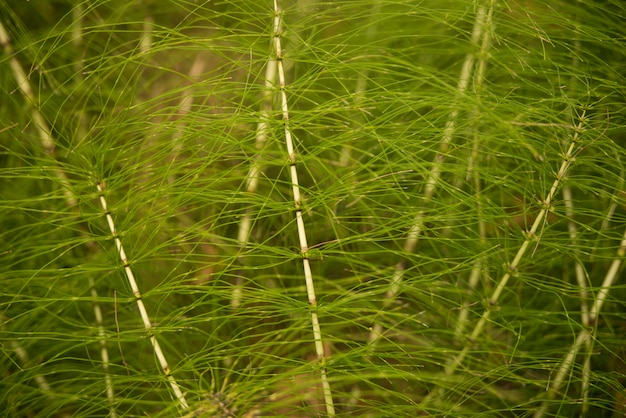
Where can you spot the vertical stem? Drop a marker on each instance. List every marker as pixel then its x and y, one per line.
pixel 579 270
pixel 252 179
pixel 434 175
pixel 361 85
pixel 585 336
pixel 609 280
pixel 304 248
pixel 77 35
pixel 479 264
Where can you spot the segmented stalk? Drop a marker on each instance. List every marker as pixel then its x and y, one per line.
pixel 252 179
pixel 433 178
pixel 140 305
pixel 531 236
pixel 48 144
pixel 479 264
pixel 586 335
pixel 297 199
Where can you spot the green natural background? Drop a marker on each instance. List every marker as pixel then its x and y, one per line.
pixel 461 166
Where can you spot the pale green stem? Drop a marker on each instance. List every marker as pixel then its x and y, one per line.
pixel 140 305
pixel 104 352
pixel 610 212
pixel 433 177
pixel 252 179
pixel 479 264
pixel 579 271
pixel 530 236
pixel 45 136
pixel 77 36
pixel 585 336
pixel 23 356
pixel 185 106
pixel 146 40
pixel 361 85
pixel 304 248
pixel 581 277
pixel 609 280
pixel 48 144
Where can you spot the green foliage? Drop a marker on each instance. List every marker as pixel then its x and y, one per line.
pixel 461 165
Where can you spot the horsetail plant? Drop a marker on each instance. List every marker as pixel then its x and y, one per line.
pixel 451 258
pixel 586 335
pixel 531 236
pixel 298 204
pixel 434 175
pixel 252 178
pixel 45 136
pixel 48 145
pixel 579 272
pixel 485 21
pixel 165 368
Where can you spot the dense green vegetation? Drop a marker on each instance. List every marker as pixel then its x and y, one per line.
pixel 352 208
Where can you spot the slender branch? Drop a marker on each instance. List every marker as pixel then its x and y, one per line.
pixel 48 144
pixel 140 305
pixel 433 177
pixel 586 335
pixel 295 185
pixel 531 236
pixel 579 271
pixel 479 264
pixel 252 179
pixel 22 354
pixel 361 85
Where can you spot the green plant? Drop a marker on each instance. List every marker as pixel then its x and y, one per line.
pixel 368 208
